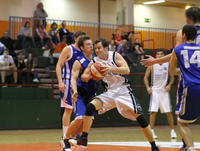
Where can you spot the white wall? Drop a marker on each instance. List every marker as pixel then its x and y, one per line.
pixel 162 17
pixel 81 10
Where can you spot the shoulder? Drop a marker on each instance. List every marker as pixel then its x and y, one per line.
pixel 179 47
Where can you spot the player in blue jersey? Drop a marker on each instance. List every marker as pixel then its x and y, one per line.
pixel 82 92
pixel 188 57
pixel 63 70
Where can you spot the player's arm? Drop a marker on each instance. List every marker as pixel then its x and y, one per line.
pixel 74 78
pixel 122 66
pixel 87 75
pixel 146 81
pixel 65 54
pixel 179 38
pixel 172 64
pixel 168 87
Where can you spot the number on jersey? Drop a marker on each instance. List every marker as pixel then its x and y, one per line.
pixel 195 59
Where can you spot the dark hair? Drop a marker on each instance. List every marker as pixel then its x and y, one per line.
pixel 190 31
pixel 79 33
pixel 193 13
pixel 53 24
pixel 82 39
pixel 160 50
pixel 27 22
pixel 104 42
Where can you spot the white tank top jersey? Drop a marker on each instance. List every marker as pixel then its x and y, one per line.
pixel 112 80
pixel 159 75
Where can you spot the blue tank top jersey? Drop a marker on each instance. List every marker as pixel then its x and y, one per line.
pixel 197 40
pixel 86 89
pixel 188 56
pixel 67 67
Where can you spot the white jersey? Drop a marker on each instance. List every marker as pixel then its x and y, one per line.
pixel 112 80
pixel 159 75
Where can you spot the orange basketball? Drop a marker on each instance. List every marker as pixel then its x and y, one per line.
pixel 97 69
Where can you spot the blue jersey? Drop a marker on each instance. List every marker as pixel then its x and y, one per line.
pixel 67 67
pixel 197 40
pixel 87 90
pixel 188 55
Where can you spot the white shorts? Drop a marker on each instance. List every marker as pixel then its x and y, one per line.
pixel 121 98
pixel 160 99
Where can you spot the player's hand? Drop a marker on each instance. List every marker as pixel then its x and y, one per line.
pixel 74 96
pixel 107 69
pixel 149 90
pixel 61 87
pixel 147 62
pixel 167 88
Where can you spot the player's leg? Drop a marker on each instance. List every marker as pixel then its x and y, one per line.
pixel 152 123
pixel 128 106
pixel 171 125
pixel 91 107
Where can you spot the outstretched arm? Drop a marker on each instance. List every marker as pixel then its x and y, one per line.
pixel 74 78
pixel 172 64
pixel 87 75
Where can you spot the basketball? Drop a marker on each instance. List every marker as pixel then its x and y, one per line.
pixel 97 69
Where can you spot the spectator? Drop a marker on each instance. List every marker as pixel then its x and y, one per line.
pixel 40 13
pixel 30 65
pixel 112 45
pixel 8 42
pixel 130 40
pixel 53 33
pixel 7 62
pixel 59 47
pixel 20 66
pixel 63 31
pixel 138 49
pixel 2 48
pixel 118 37
pixel 25 34
pixel 41 34
pixel 123 50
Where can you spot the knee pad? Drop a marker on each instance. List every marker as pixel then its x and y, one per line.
pixel 142 121
pixel 90 109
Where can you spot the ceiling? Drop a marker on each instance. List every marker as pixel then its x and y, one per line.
pixel 173 3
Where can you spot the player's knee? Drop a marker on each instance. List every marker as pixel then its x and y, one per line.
pixel 90 109
pixel 142 121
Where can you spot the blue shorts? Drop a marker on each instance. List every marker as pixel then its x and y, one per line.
pixel 80 106
pixel 66 99
pixel 190 105
pixel 179 96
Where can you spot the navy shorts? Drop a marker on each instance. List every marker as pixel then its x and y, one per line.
pixel 190 105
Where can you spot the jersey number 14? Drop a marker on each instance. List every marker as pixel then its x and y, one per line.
pixel 195 59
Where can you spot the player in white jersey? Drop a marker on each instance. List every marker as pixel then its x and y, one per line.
pixel 159 92
pixel 118 95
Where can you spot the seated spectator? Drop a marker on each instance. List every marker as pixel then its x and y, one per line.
pixel 53 33
pixel 7 62
pixel 7 41
pixel 117 37
pixel 63 30
pixel 112 45
pixel 30 65
pixel 25 34
pixel 138 49
pixel 21 66
pixel 123 50
pixel 59 47
pixel 41 34
pixel 2 48
pixel 129 40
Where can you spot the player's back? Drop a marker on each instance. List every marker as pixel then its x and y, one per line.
pixel 67 67
pixel 188 55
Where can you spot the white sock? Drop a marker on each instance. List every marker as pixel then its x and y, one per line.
pixel 191 149
pixel 65 128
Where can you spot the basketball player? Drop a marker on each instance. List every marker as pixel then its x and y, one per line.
pixel 192 17
pixel 188 57
pixel 63 70
pixel 159 92
pixel 83 92
pixel 118 95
